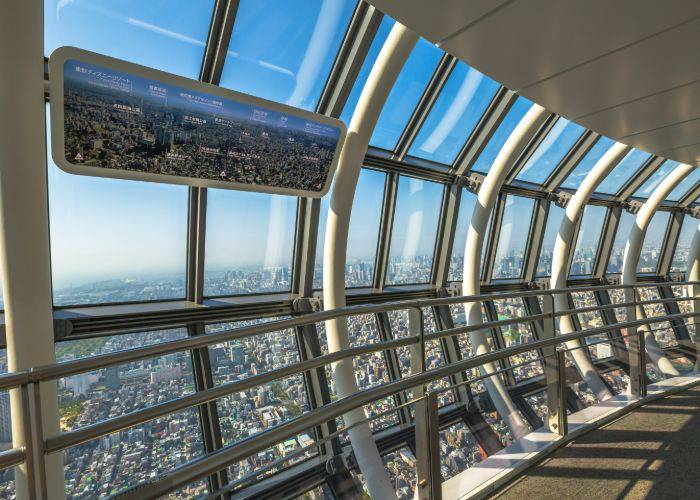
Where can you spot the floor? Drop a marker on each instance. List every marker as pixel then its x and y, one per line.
pixel 652 452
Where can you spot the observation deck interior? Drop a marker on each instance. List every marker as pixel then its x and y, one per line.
pixel 497 297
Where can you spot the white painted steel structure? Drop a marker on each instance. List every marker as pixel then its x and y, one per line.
pixel 24 239
pixel 474 244
pixel 561 259
pixel 391 59
pixel 633 249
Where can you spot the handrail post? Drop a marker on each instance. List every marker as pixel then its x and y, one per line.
pixel 637 359
pixel 427 435
pixel 555 375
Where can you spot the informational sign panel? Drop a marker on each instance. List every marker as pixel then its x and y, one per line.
pixel 111 118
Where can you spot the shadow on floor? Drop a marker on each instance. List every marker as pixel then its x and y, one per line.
pixel 652 452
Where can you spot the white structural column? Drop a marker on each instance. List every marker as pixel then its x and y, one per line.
pixel 486 199
pixel 381 79
pixel 633 249
pixel 694 290
pixel 561 258
pixel 24 224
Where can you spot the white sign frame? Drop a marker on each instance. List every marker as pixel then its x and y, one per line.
pixel 57 61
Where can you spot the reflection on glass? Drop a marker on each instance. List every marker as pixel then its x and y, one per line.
pixel 466 209
pixel 587 240
pixel 362 234
pixel 551 151
pixel 414 228
pixel 655 179
pixel 573 181
pixel 405 93
pixel 283 51
pixel 500 136
pixel 654 238
pixel 454 115
pixel 146 33
pixel 685 238
pixel 249 242
pixel 92 397
pixel 554 219
pixel 513 237
pixel 379 39
pixel 624 170
pixel 114 240
pixel 684 186
pixel 617 252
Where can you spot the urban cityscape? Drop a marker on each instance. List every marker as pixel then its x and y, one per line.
pixel 108 465
pixel 122 121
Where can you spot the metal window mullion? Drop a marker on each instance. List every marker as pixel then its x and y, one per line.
pixel 492 240
pixel 690 197
pixel 351 55
pixel 607 239
pixel 393 364
pixel 680 330
pixel 617 344
pixel 220 29
pixel 201 363
pixel 305 241
pixel 668 247
pixel 483 132
pixel 639 178
pixel 531 147
pixel 570 257
pixel 442 72
pixel 534 241
pixel 571 160
pixel 316 385
pixel 447 226
pixel 385 228
pixel 499 342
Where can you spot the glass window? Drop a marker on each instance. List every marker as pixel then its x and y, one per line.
pixel 587 240
pixel 413 234
pixel 363 231
pixel 466 209
pixel 92 397
pixel 461 103
pixel 617 252
pixel 147 33
pixel 623 171
pixel 377 44
pixel 554 219
pixel 654 238
pixel 284 51
pixel 646 189
pixel 573 181
pixel 551 151
pixel 500 136
pixel 684 186
pixel 249 242
pixel 512 239
pixel 114 240
pixel 405 94
pixel 685 238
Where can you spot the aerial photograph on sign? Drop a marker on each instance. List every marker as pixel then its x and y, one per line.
pixel 115 120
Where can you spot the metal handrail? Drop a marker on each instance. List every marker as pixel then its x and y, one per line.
pixel 213 461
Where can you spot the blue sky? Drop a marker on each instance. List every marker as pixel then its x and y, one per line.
pixel 280 50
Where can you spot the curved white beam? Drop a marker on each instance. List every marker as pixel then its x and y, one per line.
pixel 694 290
pixel 486 199
pixel 563 247
pixel 633 249
pixel 381 79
